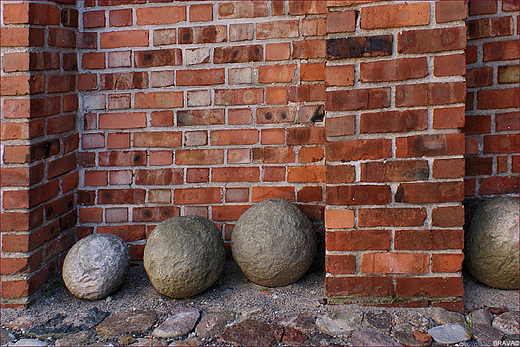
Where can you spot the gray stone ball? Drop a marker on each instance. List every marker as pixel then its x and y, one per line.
pixel 96 266
pixel 184 256
pixel 491 244
pixel 273 243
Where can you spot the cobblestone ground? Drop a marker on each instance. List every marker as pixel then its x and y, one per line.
pixel 238 312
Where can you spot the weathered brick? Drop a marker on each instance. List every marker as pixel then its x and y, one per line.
pixel 508 74
pixel 501 143
pixel 430 192
pixel 118 140
pixel 155 214
pixel 308 49
pixel 394 171
pixel 273 155
pixel 357 240
pixel 199 157
pixel 479 77
pixel 357 99
pixel 239 96
pixel 499 185
pixel 431 40
pixel 238 54
pixel 197 196
pixel 446 217
pixel 128 233
pixel 278 29
pixel 200 117
pixel 160 15
pixel 435 239
pixel 277 51
pixel 242 9
pixel 235 174
pixel 504 98
pixel 448 168
pixel 484 7
pixel 201 13
pixel 489 27
pixel 310 154
pixel 393 121
pixel 205 34
pixel 507 121
pixel 122 158
pixel 405 217
pixel 448 118
pixel 447 262
pixel 359 195
pixel 314 26
pixel 241 32
pixel 239 116
pixel 127 120
pixel 120 18
pixel 157 139
pixel 159 177
pixel 299 7
pixel 163 37
pixel 200 77
pixel 306 174
pixel 429 286
pixel 359 286
pixel 358 150
pixel 159 100
pixel 197 175
pixel 341 21
pixel 339 75
pixel 430 94
pixel 272 192
pixel 449 11
pixel 124 38
pixel 234 137
pixel 340 264
pixel 395 263
pixel 160 57
pixel 340 174
pixel 430 145
pixel 393 70
pixel 394 16
pixel 228 212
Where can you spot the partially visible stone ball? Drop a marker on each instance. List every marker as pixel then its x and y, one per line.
pixel 96 266
pixel 491 244
pixel 274 243
pixel 184 256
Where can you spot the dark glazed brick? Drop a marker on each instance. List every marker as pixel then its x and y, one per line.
pixel 357 47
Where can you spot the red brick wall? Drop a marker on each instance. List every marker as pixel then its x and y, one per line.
pixel 491 129
pixel 351 109
pixel 39 172
pixel 394 154
pixel 200 108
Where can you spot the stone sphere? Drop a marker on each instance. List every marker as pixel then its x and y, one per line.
pixel 96 266
pixel 491 244
pixel 184 256
pixel 273 243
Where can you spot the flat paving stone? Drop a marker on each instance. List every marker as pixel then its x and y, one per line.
pixel 6 337
pixel 449 334
pixel 214 324
pixel 487 335
pixel 481 316
pixel 340 322
pixel 507 322
pixel 30 342
pixel 81 338
pixel 293 337
pixel 181 322
pixel 371 337
pixel 381 321
pixel 61 325
pixel 408 339
pixel 302 322
pixel 127 322
pixel 150 342
pixel 191 341
pixel 252 333
pixel 442 317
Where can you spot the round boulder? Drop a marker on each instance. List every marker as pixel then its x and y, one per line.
pixel 96 266
pixel 274 243
pixel 184 256
pixel 491 244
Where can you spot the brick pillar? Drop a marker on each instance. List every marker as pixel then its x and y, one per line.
pixel 394 153
pixel 39 144
pixel 492 140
